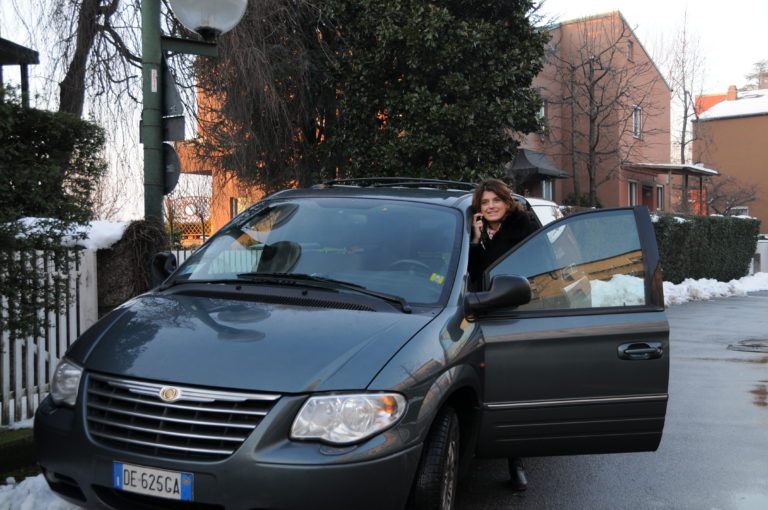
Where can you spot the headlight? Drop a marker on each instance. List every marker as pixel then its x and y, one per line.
pixel 65 383
pixel 344 419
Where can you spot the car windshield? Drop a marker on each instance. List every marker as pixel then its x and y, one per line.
pixel 401 248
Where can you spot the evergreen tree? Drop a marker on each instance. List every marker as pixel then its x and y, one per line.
pixel 432 88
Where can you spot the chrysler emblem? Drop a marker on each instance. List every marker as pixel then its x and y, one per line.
pixel 169 393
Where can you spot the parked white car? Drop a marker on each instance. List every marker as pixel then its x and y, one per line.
pixel 546 210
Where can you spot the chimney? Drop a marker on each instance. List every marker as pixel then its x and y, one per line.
pixel 731 95
pixel 762 80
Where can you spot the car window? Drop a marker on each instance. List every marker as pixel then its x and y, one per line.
pixel 585 261
pixel 400 248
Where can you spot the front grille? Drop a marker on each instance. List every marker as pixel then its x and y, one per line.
pixel 200 424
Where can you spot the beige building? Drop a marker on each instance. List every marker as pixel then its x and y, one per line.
pixel 732 136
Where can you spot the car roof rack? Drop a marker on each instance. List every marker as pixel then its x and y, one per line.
pixel 397 182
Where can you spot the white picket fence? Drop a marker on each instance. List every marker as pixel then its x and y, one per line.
pixel 27 364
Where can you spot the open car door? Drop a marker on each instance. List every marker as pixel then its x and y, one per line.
pixel 584 366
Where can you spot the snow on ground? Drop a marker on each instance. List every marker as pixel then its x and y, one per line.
pixel 33 493
pixel 705 289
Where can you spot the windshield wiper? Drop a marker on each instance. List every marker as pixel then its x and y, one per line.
pixel 177 281
pixel 292 277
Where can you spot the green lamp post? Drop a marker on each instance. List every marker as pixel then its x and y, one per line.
pixel 209 19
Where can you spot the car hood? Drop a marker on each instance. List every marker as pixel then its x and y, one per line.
pixel 227 343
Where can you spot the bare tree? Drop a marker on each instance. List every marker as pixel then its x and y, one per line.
pixel 726 193
pixel 267 105
pixel 685 70
pixel 268 100
pixel 96 50
pixel 759 69
pixel 92 68
pixel 604 89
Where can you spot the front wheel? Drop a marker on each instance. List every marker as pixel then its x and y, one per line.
pixel 437 476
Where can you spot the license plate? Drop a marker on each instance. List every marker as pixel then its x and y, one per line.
pixel 151 481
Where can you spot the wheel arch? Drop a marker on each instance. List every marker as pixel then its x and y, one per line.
pixel 459 389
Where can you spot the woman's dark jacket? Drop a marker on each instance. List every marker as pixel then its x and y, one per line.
pixel 515 227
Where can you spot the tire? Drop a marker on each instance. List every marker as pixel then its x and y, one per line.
pixel 437 477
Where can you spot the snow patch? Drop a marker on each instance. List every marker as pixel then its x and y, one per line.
pixel 31 494
pixel 99 234
pixel 103 234
pixel 706 289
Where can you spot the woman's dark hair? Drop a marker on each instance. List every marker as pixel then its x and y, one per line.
pixel 499 189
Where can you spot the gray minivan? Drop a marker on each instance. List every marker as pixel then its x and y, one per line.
pixel 324 350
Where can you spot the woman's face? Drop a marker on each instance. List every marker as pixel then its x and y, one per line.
pixel 492 207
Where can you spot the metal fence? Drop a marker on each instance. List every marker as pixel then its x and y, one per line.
pixel 27 364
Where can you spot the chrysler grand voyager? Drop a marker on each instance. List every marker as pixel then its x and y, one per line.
pixel 324 350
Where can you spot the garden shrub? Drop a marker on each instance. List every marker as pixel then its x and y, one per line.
pixel 717 247
pixel 49 165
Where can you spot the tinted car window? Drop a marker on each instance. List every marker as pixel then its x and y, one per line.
pixel 399 248
pixel 582 262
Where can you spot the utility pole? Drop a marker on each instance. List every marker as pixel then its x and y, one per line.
pixel 162 117
pixel 152 117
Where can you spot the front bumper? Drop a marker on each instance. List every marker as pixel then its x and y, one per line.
pixel 80 470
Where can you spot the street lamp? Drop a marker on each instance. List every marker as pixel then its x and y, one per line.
pixel 209 19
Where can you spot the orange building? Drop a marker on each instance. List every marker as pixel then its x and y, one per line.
pixel 228 196
pixel 732 136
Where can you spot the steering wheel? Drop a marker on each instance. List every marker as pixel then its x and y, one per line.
pixel 416 266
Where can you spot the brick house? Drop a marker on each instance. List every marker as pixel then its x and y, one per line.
pixel 600 56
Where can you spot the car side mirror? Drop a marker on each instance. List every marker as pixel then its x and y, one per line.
pixel 163 264
pixel 506 291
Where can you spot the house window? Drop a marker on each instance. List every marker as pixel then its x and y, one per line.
pixel 659 198
pixel 546 189
pixel 637 121
pixel 632 193
pixel 630 50
pixel 739 210
pixel 541 116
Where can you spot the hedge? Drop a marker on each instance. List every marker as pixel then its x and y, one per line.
pixel 49 165
pixel 718 247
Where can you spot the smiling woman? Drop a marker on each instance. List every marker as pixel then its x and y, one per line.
pixel 498 224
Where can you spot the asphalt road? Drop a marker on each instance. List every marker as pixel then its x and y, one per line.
pixel 714 452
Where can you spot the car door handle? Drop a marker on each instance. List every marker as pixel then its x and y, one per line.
pixel 641 350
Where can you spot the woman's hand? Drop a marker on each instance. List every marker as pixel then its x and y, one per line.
pixel 477 227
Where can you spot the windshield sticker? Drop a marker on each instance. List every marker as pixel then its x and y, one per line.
pixel 437 278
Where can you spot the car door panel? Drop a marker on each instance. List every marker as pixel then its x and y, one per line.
pixel 584 367
pixel 558 386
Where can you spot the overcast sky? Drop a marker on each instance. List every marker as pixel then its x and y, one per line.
pixel 732 34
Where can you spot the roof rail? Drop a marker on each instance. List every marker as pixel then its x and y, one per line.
pixel 393 182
